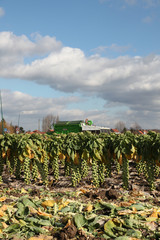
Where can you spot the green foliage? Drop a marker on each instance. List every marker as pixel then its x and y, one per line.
pixel 30 156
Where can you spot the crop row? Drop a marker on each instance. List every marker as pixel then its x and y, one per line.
pixel 36 156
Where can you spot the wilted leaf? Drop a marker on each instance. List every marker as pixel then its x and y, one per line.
pixel 48 203
pixel 40 213
pixel 4 208
pixel 36 238
pixel 32 210
pixel 151 225
pixel 68 223
pixel 4 225
pixel 151 219
pixel 2 213
pixel 41 237
pixel 23 190
pixel 83 190
pixel 64 204
pixel 88 208
pixel 125 204
pixel 125 212
pixel 2 199
pixel 154 213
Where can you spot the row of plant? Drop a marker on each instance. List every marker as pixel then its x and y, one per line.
pixel 34 156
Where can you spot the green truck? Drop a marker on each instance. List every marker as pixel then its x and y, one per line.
pixel 77 126
pixel 68 126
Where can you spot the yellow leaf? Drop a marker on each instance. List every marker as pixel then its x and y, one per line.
pixel 68 223
pixel 50 183
pixel 32 210
pixel 23 190
pixel 48 203
pixel 1 213
pixel 134 210
pixel 61 156
pixel 125 212
pixel 125 204
pixel 64 204
pixel 83 190
pixel 41 237
pixel 154 213
pixel 21 158
pixel 4 225
pixel 4 207
pixel 151 219
pixel 36 238
pixel 89 208
pixel 2 199
pixel 40 213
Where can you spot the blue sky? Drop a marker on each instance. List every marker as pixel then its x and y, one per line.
pixel 96 59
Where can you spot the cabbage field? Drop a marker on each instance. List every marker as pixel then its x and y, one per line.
pixel 79 186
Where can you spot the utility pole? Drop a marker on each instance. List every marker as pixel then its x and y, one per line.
pixel 18 119
pixel 2 114
pixel 38 124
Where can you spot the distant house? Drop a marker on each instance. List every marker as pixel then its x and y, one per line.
pixel 35 131
pixel 114 130
pixel 145 132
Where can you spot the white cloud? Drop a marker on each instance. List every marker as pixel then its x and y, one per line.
pixel 129 82
pixel 14 49
pixel 2 12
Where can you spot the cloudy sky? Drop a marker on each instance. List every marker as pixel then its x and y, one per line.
pixel 78 59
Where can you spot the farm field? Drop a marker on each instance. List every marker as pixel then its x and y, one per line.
pixel 46 196
pixel 60 211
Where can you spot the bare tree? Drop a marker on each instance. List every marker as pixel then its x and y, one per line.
pixel 120 126
pixel 48 121
pixel 135 126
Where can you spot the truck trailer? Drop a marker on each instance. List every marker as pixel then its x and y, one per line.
pixel 78 126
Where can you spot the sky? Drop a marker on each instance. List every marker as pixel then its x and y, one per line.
pixel 78 59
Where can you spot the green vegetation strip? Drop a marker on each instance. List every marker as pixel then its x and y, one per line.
pixel 31 157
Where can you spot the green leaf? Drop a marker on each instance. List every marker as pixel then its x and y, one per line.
pixel 28 203
pixel 107 205
pixel 36 229
pixel 108 227
pixel 134 233
pixel 32 220
pixel 122 238
pixel 137 206
pixel 68 151
pixel 106 236
pixel 80 220
pixel 92 216
pixel 21 210
pixel 12 228
pixel 65 209
pixel 44 222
